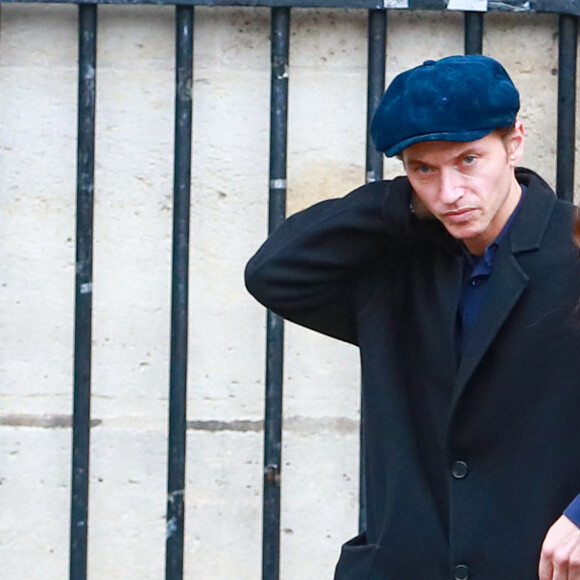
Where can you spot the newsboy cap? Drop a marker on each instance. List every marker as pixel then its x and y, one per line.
pixel 458 98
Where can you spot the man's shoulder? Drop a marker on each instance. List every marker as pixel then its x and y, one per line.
pixel 539 186
pixel 540 199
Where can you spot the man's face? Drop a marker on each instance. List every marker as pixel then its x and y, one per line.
pixel 470 187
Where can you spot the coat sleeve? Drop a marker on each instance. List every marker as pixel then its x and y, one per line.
pixel 306 269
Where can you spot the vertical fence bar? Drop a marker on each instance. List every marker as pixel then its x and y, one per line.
pixel 377 49
pixel 376 65
pixel 179 294
pixel 473 32
pixel 567 56
pixel 280 50
pixel 83 292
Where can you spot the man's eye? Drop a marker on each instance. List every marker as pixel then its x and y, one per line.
pixel 423 169
pixel 469 159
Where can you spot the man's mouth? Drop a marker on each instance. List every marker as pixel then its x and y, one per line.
pixel 459 215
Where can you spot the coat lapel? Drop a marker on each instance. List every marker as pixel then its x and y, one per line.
pixel 505 286
pixel 508 280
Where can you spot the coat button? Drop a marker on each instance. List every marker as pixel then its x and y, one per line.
pixel 461 572
pixel 459 469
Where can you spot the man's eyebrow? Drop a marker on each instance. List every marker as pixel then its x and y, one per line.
pixel 469 150
pixel 415 161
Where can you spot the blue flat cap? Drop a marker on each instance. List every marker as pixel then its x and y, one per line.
pixel 458 98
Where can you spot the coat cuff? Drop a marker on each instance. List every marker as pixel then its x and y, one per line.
pixel 572 512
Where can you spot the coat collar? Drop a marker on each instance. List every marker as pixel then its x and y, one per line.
pixel 529 226
pixel 533 216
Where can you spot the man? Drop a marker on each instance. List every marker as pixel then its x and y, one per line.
pixel 459 283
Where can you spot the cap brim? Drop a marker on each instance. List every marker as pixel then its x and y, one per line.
pixel 460 137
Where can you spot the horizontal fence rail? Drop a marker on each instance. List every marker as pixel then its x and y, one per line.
pixel 568 11
pixel 531 6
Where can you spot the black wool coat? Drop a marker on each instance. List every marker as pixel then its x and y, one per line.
pixel 468 462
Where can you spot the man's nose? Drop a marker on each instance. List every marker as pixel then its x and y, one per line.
pixel 450 186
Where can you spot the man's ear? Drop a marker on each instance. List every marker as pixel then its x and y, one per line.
pixel 515 144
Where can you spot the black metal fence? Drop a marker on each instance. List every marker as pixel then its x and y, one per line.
pixel 378 11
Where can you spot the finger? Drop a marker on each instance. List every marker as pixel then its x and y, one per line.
pixel 561 564
pixel 574 565
pixel 545 569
